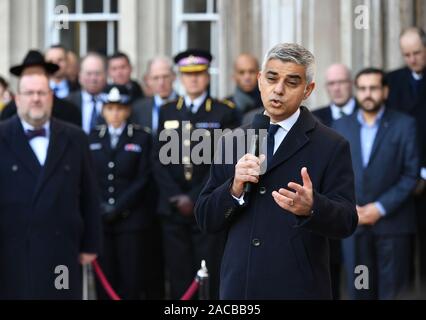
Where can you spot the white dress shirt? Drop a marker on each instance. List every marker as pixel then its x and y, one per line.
pixel 158 102
pixel 347 109
pixel 39 145
pixel 87 109
pixel 61 89
pixel 196 103
pixel 285 127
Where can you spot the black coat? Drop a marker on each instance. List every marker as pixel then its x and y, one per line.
pixel 271 253
pixel 48 215
pixel 324 114
pixel 142 112
pixel 171 178
pixel 123 175
pixel 62 109
pixel 401 98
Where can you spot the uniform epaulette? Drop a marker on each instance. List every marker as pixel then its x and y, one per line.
pixel 102 128
pixel 136 126
pixel 146 129
pixel 229 103
pixel 171 102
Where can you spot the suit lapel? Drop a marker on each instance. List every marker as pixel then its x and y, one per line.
pixel 381 132
pixel 147 112
pixel 58 142
pixel 295 140
pixel 20 146
pixel 355 137
pixel 329 116
pixel 105 141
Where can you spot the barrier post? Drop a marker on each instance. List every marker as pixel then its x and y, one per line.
pixel 85 282
pixel 203 280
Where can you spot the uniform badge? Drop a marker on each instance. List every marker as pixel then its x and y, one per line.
pixel 207 125
pixel 171 124
pixel 131 147
pixel 95 146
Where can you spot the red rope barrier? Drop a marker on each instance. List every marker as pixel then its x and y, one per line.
pixel 111 293
pixel 101 277
pixel 191 290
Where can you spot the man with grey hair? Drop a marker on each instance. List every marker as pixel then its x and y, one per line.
pixel 160 77
pixel 407 93
pixel 277 244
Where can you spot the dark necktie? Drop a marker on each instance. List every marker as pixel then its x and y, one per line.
pixel 416 87
pixel 94 117
pixel 191 108
pixel 273 128
pixel 35 133
pixel 55 90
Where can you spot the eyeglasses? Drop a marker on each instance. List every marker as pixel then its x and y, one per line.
pixel 337 82
pixel 41 94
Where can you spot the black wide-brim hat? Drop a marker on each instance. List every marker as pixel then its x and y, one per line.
pixel 34 58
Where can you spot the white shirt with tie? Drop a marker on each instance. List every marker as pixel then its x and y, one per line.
pixel 347 109
pixel 39 145
pixel 196 103
pixel 115 134
pixel 285 127
pixel 87 109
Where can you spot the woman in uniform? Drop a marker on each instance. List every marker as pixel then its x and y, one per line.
pixel 121 152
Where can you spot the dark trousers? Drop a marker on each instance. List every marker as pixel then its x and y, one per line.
pixel 154 266
pixel 388 259
pixel 124 261
pixel 184 248
pixel 335 267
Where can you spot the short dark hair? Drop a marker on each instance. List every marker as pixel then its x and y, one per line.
pixel 58 46
pixel 372 70
pixel 118 55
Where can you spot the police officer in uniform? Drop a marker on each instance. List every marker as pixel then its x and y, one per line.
pixel 180 184
pixel 122 153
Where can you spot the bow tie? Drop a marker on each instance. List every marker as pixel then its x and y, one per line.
pixel 35 133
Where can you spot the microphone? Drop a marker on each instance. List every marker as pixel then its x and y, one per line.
pixel 260 121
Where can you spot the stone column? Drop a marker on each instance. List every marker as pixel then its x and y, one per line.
pixel 5 36
pixel 240 30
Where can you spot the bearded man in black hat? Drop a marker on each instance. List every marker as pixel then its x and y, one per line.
pixel 49 204
pixel 34 63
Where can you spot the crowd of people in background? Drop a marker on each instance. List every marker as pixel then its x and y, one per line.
pixel 151 244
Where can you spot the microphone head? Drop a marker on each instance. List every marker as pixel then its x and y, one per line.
pixel 260 121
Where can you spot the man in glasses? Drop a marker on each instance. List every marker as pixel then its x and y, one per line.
pixel 49 204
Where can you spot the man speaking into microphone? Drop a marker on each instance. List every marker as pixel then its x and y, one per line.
pixel 278 229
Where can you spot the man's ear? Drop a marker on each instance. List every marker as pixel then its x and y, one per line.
pixel 385 92
pixel 309 88
pixel 259 74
